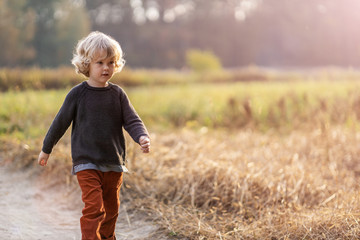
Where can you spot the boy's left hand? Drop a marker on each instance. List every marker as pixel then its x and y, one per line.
pixel 145 144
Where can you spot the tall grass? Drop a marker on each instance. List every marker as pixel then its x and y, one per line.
pixel 256 105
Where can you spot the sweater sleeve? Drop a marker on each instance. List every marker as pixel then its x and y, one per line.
pixel 61 122
pixel 131 120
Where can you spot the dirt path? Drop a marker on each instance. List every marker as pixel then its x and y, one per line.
pixel 31 212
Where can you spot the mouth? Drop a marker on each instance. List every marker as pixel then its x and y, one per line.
pixel 105 74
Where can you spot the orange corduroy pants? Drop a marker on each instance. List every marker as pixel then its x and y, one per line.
pixel 100 194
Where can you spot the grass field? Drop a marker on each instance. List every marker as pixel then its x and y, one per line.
pixel 241 160
pixel 261 106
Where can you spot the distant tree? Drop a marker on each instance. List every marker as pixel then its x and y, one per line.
pixel 72 24
pixel 59 24
pixel 157 33
pixel 17 27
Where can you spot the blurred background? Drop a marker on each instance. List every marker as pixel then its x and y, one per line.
pixel 160 33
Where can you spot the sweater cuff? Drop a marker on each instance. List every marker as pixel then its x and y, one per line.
pixel 46 150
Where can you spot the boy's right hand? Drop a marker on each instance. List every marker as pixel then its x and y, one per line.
pixel 144 142
pixel 43 158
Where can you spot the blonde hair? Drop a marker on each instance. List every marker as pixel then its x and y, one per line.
pixel 88 47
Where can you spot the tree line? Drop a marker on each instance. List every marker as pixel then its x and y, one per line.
pixel 159 33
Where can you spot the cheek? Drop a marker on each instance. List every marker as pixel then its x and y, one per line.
pixel 97 69
pixel 93 68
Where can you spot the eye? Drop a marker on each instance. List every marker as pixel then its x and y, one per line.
pixel 112 62
pixel 99 62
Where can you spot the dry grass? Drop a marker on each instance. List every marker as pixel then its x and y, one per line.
pixel 65 77
pixel 239 185
pixel 251 186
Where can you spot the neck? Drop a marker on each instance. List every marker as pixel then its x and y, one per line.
pixel 97 84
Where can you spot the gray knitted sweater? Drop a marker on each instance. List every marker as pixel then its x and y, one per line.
pixel 98 116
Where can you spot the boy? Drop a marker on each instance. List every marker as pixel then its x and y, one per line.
pixel 98 111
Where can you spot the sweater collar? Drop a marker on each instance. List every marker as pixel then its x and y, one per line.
pixel 97 88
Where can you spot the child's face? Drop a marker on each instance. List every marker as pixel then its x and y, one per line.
pixel 101 69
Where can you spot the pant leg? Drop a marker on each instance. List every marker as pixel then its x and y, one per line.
pixel 111 188
pixel 90 182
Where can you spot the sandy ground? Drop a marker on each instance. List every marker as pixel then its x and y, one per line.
pixel 32 212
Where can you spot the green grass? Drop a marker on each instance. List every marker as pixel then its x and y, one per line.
pixel 28 114
pixel 219 105
pixel 261 105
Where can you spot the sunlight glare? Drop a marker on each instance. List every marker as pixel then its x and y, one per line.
pixel 244 8
pixel 152 14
